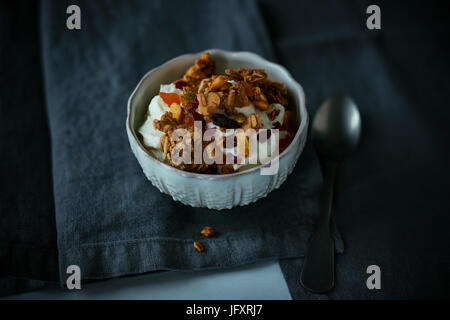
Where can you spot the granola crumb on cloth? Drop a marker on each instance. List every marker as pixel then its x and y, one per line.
pixel 207 232
pixel 239 99
pixel 199 246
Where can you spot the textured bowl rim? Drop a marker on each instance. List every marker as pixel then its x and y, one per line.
pixel 302 126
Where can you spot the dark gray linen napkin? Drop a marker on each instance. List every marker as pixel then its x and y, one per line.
pixel 110 220
pixel 391 196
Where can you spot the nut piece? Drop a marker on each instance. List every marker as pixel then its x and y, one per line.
pixel 202 104
pixel 251 76
pixel 213 102
pixel 275 92
pixel 165 144
pixel 203 68
pixel 260 100
pixel 207 231
pixel 243 144
pixel 248 89
pixel 208 103
pixel 253 121
pixel 231 98
pixel 241 99
pixel 219 83
pixel 176 111
pixel 199 246
pixel 166 123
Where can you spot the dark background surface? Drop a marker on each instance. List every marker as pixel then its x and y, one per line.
pixel 27 216
pixel 391 202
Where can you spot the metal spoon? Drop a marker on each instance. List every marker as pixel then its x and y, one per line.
pixel 335 132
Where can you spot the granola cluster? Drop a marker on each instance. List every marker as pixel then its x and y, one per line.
pixel 210 97
pixel 207 232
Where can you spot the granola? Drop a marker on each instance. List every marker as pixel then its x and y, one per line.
pixel 239 99
pixel 208 232
pixel 199 246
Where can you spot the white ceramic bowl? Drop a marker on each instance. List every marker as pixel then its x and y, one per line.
pixel 208 190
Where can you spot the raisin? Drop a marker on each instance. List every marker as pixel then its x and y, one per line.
pixel 198 117
pixel 180 84
pixel 276 125
pixel 224 122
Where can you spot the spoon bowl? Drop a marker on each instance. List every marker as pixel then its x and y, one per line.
pixel 336 127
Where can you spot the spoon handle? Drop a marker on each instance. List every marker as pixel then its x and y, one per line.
pixel 318 268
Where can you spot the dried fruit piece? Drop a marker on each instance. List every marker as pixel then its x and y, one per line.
pixel 180 84
pixel 224 122
pixel 189 96
pixel 188 121
pixel 170 98
pixel 207 231
pixel 189 101
pixel 199 246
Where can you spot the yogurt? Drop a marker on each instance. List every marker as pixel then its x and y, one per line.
pixel 156 109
